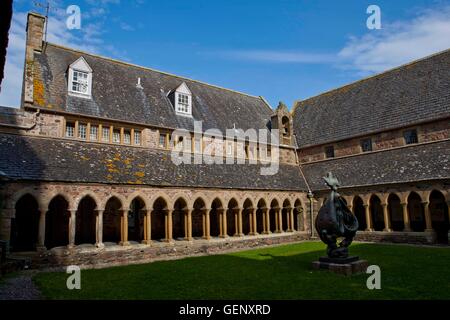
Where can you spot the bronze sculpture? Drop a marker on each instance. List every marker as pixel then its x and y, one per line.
pixel 334 221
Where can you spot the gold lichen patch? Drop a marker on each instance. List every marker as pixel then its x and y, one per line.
pixel 84 158
pixel 140 174
pixel 38 92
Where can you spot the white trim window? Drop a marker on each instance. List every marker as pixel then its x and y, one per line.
pixel 116 136
pixel 82 131
pixel 137 137
pixel 80 83
pixel 80 79
pixel 127 137
pixel 93 136
pixel 70 130
pixel 183 104
pixel 183 100
pixel 105 134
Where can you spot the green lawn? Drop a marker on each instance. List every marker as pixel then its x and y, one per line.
pixel 282 272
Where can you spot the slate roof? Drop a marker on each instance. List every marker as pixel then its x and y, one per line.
pixel 44 159
pixel 416 92
pixel 115 95
pixel 409 164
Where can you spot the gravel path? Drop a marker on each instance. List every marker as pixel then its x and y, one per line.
pixel 19 288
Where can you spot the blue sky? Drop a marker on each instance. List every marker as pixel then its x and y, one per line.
pixel 282 50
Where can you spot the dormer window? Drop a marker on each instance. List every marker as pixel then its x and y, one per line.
pixel 183 103
pixel 80 82
pixel 80 79
pixel 183 100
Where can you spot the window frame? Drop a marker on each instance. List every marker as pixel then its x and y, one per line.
pixel 407 137
pixel 363 143
pixel 327 153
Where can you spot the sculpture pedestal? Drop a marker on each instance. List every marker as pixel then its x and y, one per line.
pixel 344 266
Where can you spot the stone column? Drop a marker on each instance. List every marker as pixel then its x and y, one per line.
pixel 406 222
pixel 255 223
pixel 368 217
pixel 278 220
pixel 99 229
pixel 236 222
pixel 5 224
pixel 224 223
pixel 72 227
pixel 267 214
pixel 426 210
pixel 241 234
pixel 219 215
pixel 168 225
pixel 124 229
pixel 207 225
pixel 387 227
pixel 41 231
pixel 291 220
pixel 253 230
pixel 147 227
pixel 188 223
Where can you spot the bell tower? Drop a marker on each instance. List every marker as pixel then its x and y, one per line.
pixel 282 120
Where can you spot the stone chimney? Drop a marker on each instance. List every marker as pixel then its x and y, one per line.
pixel 35 34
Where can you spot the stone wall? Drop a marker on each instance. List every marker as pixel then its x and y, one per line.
pixel 91 257
pixel 438 130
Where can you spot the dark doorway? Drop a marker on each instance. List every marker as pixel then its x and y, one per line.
pixel 25 225
pixel 57 223
pixel 439 216
pixel 85 221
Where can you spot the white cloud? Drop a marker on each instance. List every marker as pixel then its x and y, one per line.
pixel 398 43
pixel 126 26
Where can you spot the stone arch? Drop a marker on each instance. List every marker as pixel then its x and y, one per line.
pixel 23 192
pixel 93 196
pixel 273 214
pixel 60 194
pixel 199 218
pixel 439 215
pixel 123 202
pixel 376 212
pixel 138 194
pixel 395 212
pixel 25 224
pixel 261 216
pixel 112 220
pixel 180 210
pixel 247 211
pixel 86 221
pixel 232 217
pixel 360 212
pixel 416 212
pixel 158 218
pixel 215 216
pixel 136 218
pixel 57 222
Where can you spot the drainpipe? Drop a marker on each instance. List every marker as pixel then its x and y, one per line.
pixel 311 212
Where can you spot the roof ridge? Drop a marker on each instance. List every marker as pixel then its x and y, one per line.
pixel 408 64
pixel 150 69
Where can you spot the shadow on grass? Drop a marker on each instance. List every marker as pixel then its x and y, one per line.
pixel 271 273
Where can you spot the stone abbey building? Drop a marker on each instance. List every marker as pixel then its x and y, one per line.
pixel 87 176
